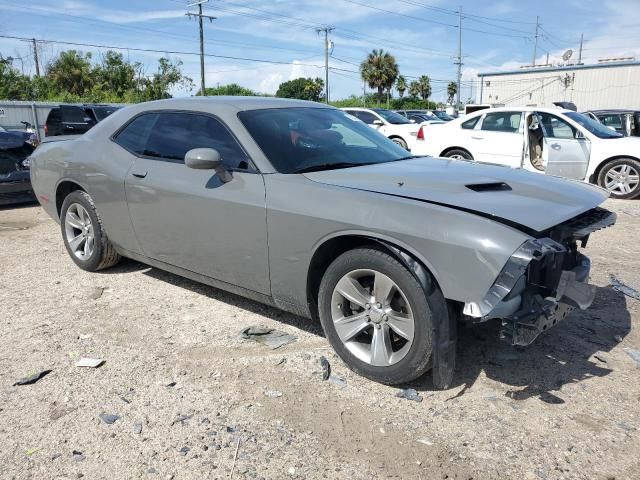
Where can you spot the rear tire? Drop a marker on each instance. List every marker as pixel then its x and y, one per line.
pixel 400 142
pixel 84 235
pixel 621 178
pixel 403 316
pixel 458 154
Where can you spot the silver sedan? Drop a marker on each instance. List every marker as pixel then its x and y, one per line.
pixel 302 206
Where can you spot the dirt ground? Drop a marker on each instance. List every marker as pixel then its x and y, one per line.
pixel 194 398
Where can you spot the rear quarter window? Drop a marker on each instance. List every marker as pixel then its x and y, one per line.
pixel 470 124
pixel 133 137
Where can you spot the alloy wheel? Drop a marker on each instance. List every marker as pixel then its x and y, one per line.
pixel 622 179
pixel 372 317
pixel 79 231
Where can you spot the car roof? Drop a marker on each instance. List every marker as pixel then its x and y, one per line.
pixel 238 103
pixel 521 109
pixel 613 110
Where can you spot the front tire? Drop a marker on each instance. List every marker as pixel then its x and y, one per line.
pixel 84 235
pixel 621 178
pixel 377 316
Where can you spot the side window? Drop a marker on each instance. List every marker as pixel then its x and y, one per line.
pixel 366 117
pixel 134 136
pixel 470 124
pixel 555 127
pixel 174 134
pixel 74 114
pixel 502 122
pixel 611 120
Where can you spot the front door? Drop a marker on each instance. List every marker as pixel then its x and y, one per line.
pixel 565 150
pixel 190 218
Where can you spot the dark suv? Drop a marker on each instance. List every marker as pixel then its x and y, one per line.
pixel 75 119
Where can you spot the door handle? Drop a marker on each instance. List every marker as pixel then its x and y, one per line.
pixel 477 138
pixel 556 146
pixel 140 174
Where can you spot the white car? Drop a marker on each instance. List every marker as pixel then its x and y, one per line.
pixel 554 141
pixel 391 124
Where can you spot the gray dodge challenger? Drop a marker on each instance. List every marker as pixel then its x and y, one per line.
pixel 304 207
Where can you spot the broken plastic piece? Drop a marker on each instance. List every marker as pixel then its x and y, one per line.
pixel 31 379
pixel 267 336
pixel 618 286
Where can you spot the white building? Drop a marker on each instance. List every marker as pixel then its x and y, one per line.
pixel 607 84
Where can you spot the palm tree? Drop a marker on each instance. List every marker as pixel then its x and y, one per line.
pixel 452 89
pixel 380 71
pixel 401 85
pixel 424 84
pixel 414 89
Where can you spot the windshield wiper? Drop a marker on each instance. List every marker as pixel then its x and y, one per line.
pixel 329 166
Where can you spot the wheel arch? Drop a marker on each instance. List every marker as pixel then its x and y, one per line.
pixel 64 188
pixel 395 135
pixel 331 248
pixel 596 173
pixel 448 149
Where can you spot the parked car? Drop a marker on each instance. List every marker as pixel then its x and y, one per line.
pixel 301 206
pixel 392 125
pixel 75 119
pixel 15 184
pixel 444 116
pixel 545 140
pixel 421 118
pixel 626 122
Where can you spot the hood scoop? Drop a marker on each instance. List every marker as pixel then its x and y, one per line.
pixel 489 187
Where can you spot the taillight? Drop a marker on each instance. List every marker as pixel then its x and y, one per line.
pixel 420 135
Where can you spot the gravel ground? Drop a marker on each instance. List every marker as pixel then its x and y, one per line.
pixel 196 401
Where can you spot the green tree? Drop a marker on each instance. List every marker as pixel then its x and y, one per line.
pixel 13 85
pixel 380 71
pixel 452 89
pixel 232 89
pixel 414 89
pixel 424 86
pixel 302 89
pixel 114 76
pixel 167 77
pixel 401 85
pixel 71 73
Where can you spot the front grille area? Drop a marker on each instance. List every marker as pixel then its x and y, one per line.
pixel 580 227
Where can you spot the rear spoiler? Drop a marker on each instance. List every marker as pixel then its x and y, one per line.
pixel 60 138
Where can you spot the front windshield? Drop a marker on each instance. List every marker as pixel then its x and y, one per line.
pixel 443 116
pixel 391 117
pixel 308 138
pixel 593 126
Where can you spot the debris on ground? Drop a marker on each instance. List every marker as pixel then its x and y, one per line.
pixel 409 394
pixel 96 293
pixel 137 428
pixel 600 358
pixel 273 393
pixel 183 451
pixel 268 336
pixel 425 441
pixel 618 286
pixel 339 381
pixel 31 379
pixel 634 354
pixel 90 362
pixel 109 418
pixel 77 456
pixel 181 419
pixel 326 368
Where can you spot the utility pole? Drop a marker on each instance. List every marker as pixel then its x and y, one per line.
pixel 580 51
pixel 35 56
pixel 458 61
pixel 535 43
pixel 200 17
pixel 327 30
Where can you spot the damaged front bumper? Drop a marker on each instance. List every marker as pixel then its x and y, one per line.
pixel 543 281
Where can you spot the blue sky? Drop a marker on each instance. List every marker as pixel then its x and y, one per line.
pixel 498 34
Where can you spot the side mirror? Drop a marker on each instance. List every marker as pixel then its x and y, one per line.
pixel 412 121
pixel 580 135
pixel 378 123
pixel 207 159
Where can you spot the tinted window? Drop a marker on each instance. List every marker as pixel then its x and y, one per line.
pixel 502 122
pixel 366 117
pixel 470 124
pixel 74 115
pixel 134 136
pixel 611 120
pixel 295 139
pixel 174 134
pixel 103 112
pixel 391 117
pixel 555 127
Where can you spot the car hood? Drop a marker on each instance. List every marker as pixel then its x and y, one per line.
pixel 526 200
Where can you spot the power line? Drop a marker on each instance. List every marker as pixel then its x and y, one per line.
pixel 448 11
